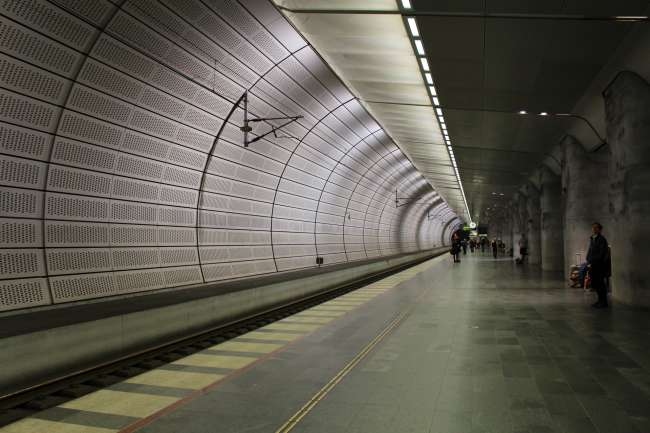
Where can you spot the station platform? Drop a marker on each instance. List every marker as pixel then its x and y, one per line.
pixel 480 346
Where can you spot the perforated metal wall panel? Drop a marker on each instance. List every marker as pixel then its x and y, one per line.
pixel 123 167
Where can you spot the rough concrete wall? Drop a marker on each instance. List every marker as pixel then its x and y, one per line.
pixel 533 230
pixel 627 105
pixel 584 188
pixel 552 236
pixel 521 218
pixel 506 232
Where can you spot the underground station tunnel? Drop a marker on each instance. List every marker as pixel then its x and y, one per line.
pixel 229 216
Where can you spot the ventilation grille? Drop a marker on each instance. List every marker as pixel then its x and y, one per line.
pixel 24 293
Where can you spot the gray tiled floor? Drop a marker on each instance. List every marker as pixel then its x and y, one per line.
pixel 487 347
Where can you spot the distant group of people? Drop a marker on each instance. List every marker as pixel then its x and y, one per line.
pixel 459 244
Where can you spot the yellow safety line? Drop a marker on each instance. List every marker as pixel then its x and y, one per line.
pixel 320 395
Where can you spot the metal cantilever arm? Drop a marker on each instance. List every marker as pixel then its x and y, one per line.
pixel 273 130
pixel 246 129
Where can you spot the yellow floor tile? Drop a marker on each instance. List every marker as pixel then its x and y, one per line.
pixel 254 335
pixel 358 298
pixel 332 308
pixel 291 327
pixel 215 361
pixel 175 379
pixel 34 425
pixel 307 319
pixel 351 303
pixel 120 403
pixel 312 312
pixel 240 346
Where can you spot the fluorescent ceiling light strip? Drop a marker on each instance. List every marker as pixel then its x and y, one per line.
pixel 419 47
pixel 413 26
pixel 406 4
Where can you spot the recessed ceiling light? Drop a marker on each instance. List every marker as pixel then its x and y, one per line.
pixel 543 113
pixel 406 4
pixel 523 112
pixel 425 64
pixel 441 118
pixel 413 26
pixel 432 90
pixel 444 127
pixel 439 111
pixel 429 78
pixel 631 18
pixel 419 47
pixel 436 101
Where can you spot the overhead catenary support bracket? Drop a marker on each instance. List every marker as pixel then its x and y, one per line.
pixel 403 201
pixel 247 129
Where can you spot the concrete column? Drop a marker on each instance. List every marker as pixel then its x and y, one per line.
pixel 551 221
pixel 506 233
pixel 520 212
pixel 585 192
pixel 533 229
pixel 512 206
pixel 627 107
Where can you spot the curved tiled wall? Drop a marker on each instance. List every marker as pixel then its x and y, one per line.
pixel 122 167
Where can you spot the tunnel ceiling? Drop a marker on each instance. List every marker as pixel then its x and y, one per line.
pixel 374 56
pixel 486 70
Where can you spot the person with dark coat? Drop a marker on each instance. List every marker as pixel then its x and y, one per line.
pixel 495 248
pixel 455 247
pixel 598 262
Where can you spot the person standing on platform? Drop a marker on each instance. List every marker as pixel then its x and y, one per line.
pixel 455 247
pixel 597 261
pixel 495 248
pixel 464 244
